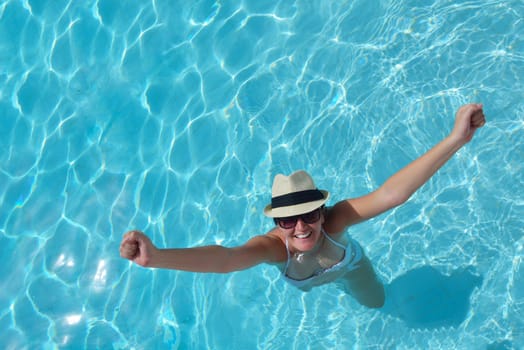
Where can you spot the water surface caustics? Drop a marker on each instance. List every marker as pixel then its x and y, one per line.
pixel 173 117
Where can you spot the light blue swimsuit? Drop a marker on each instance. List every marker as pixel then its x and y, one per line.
pixel 352 256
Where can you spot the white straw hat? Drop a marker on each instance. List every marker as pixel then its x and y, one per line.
pixel 293 195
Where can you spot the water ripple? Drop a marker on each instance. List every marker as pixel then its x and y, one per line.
pixel 172 117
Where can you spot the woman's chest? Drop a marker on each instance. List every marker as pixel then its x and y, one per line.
pixel 303 265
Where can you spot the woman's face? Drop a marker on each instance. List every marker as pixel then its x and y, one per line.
pixel 305 233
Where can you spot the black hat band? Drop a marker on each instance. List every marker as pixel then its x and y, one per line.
pixel 294 198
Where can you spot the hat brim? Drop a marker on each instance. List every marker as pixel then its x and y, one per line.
pixel 297 209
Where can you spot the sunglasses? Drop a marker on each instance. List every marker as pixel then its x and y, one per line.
pixel 291 221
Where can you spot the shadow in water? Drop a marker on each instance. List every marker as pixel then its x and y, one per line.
pixel 424 298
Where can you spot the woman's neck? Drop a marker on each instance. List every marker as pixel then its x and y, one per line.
pixel 314 251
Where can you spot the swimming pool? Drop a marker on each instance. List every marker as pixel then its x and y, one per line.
pixel 173 117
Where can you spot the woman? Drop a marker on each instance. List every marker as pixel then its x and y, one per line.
pixel 308 242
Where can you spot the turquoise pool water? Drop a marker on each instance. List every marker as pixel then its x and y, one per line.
pixel 173 117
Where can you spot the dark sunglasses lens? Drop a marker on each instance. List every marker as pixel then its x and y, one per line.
pixel 287 222
pixel 311 217
pixel 308 218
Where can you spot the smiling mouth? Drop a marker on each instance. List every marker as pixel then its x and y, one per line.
pixel 303 235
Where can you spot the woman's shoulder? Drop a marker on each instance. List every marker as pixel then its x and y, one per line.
pixel 333 224
pixel 280 253
pixel 276 236
pixel 333 229
pixel 266 247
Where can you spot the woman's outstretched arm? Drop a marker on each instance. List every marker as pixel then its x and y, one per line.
pixel 137 247
pixel 399 187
